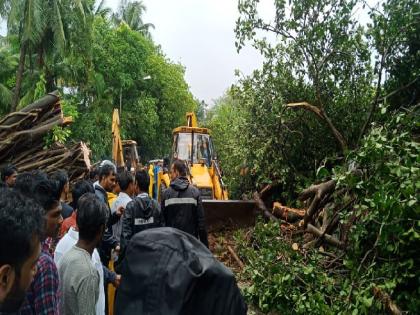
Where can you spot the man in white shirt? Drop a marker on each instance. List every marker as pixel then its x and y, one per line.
pixel 70 239
pixel 64 245
pixel 128 189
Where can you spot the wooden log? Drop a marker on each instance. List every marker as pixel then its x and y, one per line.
pixel 260 204
pixel 42 104
pixel 288 214
pixel 318 192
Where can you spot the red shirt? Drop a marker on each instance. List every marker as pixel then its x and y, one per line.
pixel 68 223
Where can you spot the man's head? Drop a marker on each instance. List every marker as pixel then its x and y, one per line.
pixel 92 215
pixel 126 182
pixel 8 175
pixel 21 224
pixel 24 183
pixel 107 177
pixel 142 180
pixel 46 193
pixel 79 189
pixel 178 169
pixel 63 182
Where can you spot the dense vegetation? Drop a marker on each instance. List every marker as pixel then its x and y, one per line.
pixel 99 60
pixel 337 98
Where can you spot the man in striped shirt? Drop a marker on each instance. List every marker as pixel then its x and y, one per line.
pixel 43 296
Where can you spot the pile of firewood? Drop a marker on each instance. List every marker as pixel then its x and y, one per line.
pixel 22 140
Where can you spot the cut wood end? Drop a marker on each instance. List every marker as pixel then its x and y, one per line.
pixel 277 204
pixel 67 120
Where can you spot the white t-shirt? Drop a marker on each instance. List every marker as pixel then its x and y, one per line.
pixel 122 200
pixel 64 245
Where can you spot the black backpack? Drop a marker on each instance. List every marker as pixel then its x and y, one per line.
pixel 170 272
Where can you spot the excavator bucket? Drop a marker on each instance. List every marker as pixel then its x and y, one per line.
pixel 229 214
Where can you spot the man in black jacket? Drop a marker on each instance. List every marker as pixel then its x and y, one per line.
pixel 142 212
pixel 181 204
pixel 107 182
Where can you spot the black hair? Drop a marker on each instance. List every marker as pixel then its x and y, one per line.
pixel 79 189
pixel 62 179
pixel 142 180
pixel 46 193
pixel 105 171
pixel 24 183
pixel 166 162
pixel 124 179
pixel 93 173
pixel 92 215
pixel 180 166
pixel 7 171
pixel 20 220
pixel 39 175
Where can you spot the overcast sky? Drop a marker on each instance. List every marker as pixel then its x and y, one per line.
pixel 200 35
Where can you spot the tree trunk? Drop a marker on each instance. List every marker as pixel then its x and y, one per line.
pixel 19 76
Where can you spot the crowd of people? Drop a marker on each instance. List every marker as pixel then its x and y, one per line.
pixel 55 256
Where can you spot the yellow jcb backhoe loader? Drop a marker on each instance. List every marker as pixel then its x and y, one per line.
pixel 194 145
pixel 124 152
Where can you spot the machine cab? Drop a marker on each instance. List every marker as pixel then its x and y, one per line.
pixel 193 145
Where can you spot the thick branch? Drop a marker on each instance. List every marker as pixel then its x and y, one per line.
pixel 328 238
pixel 260 204
pixel 287 214
pixel 322 115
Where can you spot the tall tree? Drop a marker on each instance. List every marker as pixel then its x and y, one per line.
pixel 132 13
pixel 40 26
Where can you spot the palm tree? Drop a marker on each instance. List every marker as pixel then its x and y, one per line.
pixel 102 11
pixel 131 13
pixel 40 27
pixel 8 63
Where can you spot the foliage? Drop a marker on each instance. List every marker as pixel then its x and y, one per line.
pixel 8 63
pixel 56 135
pixel 395 31
pixel 97 60
pixel 383 245
pixel 131 14
pixel 149 89
pixel 283 279
pixel 386 235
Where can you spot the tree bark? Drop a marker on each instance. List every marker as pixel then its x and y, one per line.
pixel 19 76
pixel 288 214
pixel 260 204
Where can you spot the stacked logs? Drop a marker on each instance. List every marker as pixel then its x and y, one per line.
pixel 22 140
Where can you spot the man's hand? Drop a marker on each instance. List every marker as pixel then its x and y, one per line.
pixel 117 249
pixel 117 281
pixel 120 211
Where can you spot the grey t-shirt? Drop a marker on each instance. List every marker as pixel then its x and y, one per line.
pixel 79 283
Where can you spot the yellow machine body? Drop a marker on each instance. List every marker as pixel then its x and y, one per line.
pixel 124 152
